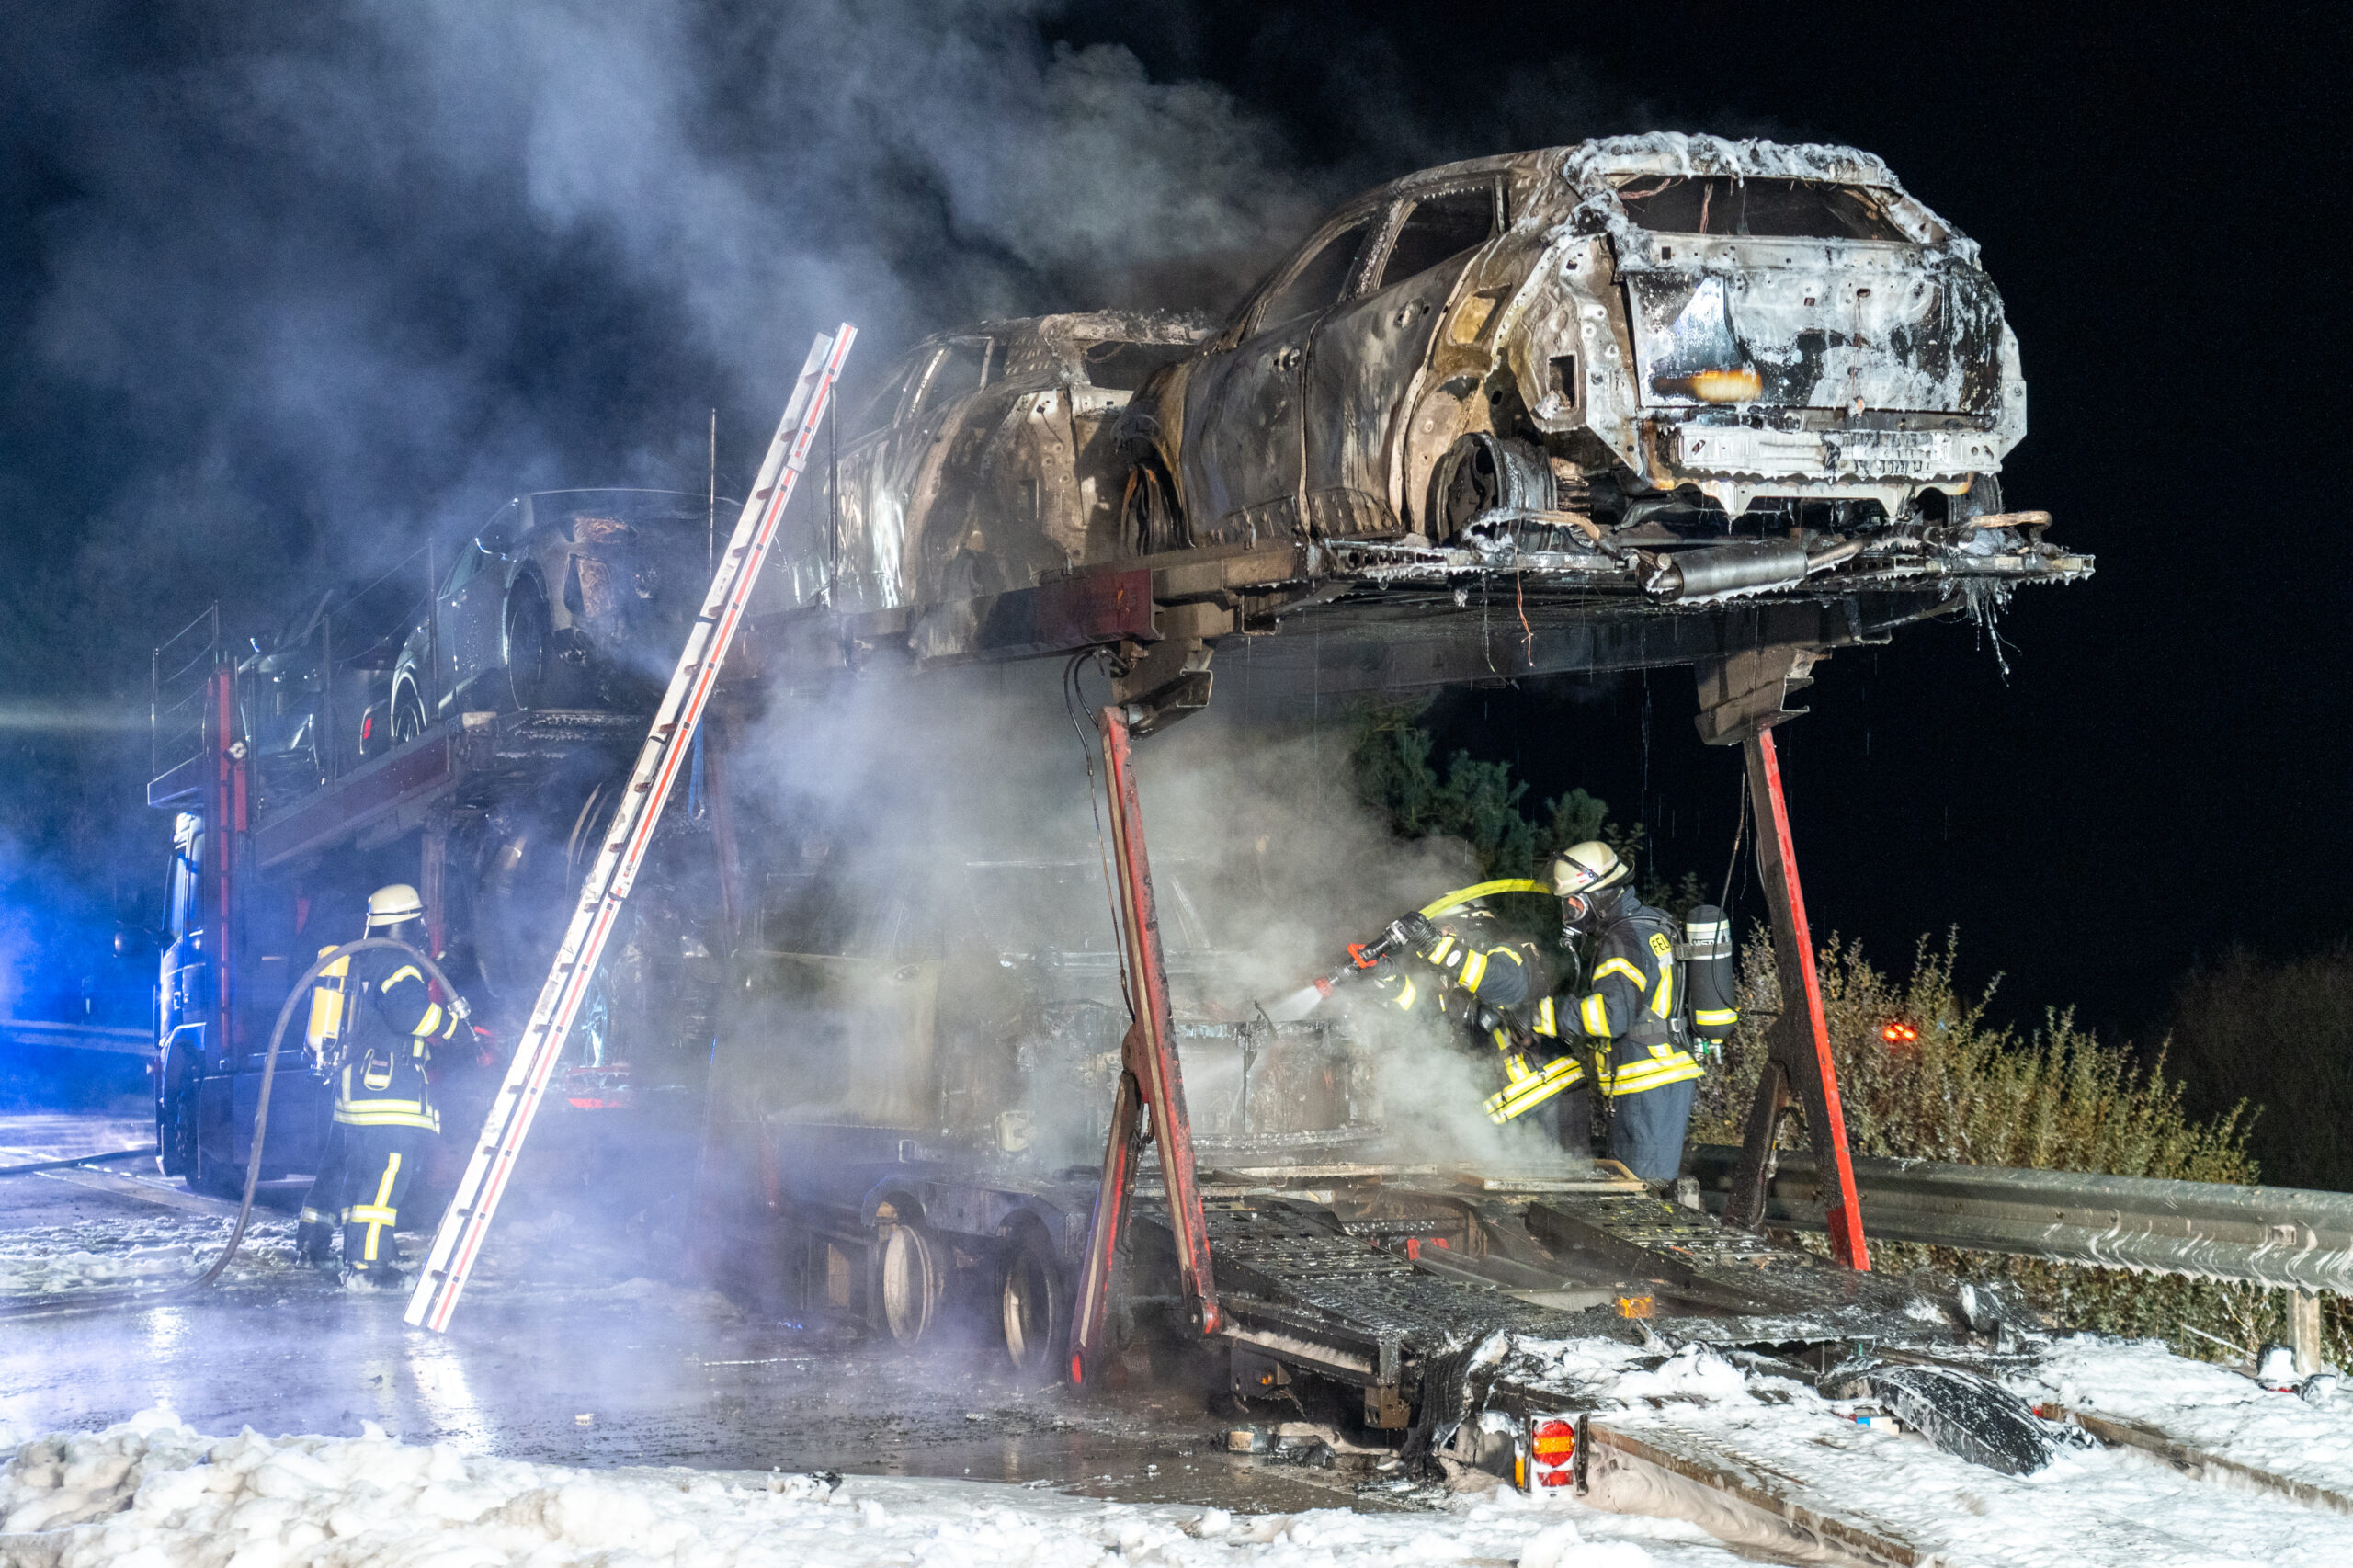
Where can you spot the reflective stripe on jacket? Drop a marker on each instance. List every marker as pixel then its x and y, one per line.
pixel 1634 1004
pixel 391 1027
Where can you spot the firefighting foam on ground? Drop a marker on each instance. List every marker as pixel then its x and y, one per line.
pixel 860 1015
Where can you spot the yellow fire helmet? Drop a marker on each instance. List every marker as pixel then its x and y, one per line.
pixel 395 904
pixel 1586 868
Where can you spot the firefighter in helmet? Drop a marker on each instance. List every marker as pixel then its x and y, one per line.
pixel 374 1025
pixel 1633 1033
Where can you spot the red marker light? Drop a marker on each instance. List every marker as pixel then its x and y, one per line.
pixel 1555 1442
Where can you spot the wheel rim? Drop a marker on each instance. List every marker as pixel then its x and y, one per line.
pixel 526 629
pixel 408 715
pixel 1028 1309
pixel 908 1284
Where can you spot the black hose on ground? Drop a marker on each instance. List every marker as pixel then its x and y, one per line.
pixel 295 993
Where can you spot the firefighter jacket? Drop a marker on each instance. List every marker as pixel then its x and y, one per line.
pixel 391 1024
pixel 1468 969
pixel 1634 1009
pixel 1486 982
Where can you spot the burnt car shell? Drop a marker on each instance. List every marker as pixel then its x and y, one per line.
pixel 1674 327
pixel 985 461
pixel 567 598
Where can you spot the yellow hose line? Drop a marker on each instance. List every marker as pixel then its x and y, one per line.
pixel 1461 896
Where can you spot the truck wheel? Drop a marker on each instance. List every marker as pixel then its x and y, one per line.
pixel 175 1121
pixel 1036 1305
pixel 907 1281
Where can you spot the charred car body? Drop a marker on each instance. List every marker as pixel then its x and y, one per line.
pixel 1669 396
pixel 1715 339
pixel 565 599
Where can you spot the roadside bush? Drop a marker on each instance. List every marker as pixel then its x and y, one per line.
pixel 1972 1093
pixel 2279 1034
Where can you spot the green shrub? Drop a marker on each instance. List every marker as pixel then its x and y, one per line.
pixel 2278 1033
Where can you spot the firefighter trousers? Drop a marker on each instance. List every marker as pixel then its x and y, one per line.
pixel 377 1166
pixel 1646 1130
pixel 322 1205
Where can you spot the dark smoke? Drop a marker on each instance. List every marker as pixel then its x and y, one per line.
pixel 294 287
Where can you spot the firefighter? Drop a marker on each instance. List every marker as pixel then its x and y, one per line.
pixel 385 1119
pixel 1635 1023
pixel 1473 974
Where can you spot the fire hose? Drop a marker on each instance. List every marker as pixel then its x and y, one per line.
pixel 296 992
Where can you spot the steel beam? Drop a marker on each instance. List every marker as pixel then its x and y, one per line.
pixel 2278 1237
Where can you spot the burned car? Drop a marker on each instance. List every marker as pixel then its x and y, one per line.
pixel 1660 338
pixel 1641 403
pixel 986 460
pixel 312 696
pixel 568 598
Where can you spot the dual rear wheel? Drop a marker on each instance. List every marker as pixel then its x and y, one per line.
pixel 915 1274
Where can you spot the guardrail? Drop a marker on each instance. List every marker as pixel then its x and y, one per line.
pixel 77 1037
pixel 2283 1237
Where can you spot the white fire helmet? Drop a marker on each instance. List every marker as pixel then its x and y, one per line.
pixel 1586 868
pixel 395 904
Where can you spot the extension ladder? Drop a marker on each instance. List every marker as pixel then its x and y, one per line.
pixel 457 1242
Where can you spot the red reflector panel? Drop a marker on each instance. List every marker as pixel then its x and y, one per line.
pixel 1555 1478
pixel 1553 1442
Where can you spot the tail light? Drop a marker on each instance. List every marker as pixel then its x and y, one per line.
pixel 1552 1452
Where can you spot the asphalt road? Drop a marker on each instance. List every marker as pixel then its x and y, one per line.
pixel 578 1345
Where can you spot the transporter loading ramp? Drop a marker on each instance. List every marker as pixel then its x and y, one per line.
pixel 1380 1276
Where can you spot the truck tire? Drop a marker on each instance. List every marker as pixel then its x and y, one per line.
pixel 908 1284
pixel 1034 1300
pixel 175 1119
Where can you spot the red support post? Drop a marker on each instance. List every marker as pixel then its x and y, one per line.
pixel 1798 1062
pixel 225 810
pixel 1150 1081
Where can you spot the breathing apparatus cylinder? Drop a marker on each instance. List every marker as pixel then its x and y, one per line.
pixel 323 1037
pixel 1709 982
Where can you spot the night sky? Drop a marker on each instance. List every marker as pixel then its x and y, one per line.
pixel 287 288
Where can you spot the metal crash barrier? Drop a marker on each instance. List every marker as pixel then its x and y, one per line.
pixel 2283 1237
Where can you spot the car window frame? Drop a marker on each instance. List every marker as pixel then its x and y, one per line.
pixel 914 406
pixel 1252 318
pixel 1393 224
pixel 894 391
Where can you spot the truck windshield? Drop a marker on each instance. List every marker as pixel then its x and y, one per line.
pixel 1768 209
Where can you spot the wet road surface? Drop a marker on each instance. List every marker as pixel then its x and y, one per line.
pixel 571 1348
